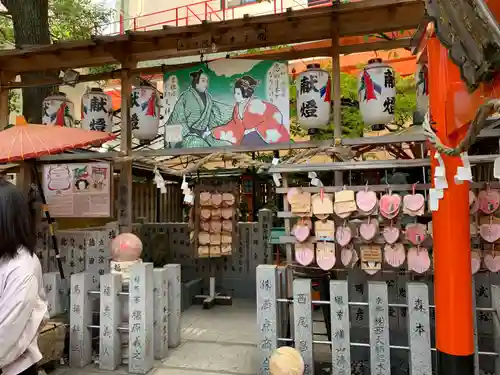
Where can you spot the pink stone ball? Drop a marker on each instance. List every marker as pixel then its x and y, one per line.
pixel 126 247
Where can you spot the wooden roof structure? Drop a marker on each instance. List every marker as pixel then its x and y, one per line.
pixel 294 26
pixel 362 18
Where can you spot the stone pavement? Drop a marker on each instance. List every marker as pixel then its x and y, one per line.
pixel 214 342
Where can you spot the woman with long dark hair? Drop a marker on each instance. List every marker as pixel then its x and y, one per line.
pixel 23 308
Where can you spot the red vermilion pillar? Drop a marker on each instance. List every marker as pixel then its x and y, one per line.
pixel 451 233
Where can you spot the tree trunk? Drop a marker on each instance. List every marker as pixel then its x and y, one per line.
pixel 30 19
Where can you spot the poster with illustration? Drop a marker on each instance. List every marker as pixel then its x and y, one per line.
pixel 227 102
pixel 78 190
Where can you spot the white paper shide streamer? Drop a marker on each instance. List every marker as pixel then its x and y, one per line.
pixel 159 181
pixel 187 192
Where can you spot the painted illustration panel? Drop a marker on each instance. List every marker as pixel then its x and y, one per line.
pixel 78 189
pixel 227 103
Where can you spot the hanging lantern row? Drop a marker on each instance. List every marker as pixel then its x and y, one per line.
pixel 377 94
pixel 313 97
pixel 97 112
pixel 145 113
pixel 58 110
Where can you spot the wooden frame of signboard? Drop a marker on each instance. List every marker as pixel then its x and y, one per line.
pixel 110 189
pixel 338 22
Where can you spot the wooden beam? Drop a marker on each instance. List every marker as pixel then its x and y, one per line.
pixel 337 109
pixel 125 218
pixel 287 53
pixel 4 108
pixel 360 18
pixel 291 53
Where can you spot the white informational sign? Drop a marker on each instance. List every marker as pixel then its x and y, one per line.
pixel 78 190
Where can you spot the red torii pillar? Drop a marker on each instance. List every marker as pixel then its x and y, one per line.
pixel 451 228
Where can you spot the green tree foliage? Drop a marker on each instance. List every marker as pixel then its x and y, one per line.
pixel 77 19
pixel 68 20
pixel 35 22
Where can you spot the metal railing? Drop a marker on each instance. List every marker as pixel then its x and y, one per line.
pixel 196 13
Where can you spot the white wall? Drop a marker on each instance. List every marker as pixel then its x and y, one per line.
pixel 177 9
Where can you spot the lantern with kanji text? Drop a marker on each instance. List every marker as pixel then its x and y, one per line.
pixel 58 110
pixel 377 94
pixel 145 113
pixel 313 97
pixel 97 111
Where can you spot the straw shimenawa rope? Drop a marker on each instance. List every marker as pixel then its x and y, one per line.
pixel 483 112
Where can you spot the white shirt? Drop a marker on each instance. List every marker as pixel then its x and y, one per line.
pixel 23 309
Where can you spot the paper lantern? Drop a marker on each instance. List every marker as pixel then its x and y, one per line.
pixel 58 110
pixel 97 111
pixel 422 86
pixel 145 113
pixel 313 97
pixel 377 93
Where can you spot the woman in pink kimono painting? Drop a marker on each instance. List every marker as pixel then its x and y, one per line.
pixel 23 308
pixel 254 121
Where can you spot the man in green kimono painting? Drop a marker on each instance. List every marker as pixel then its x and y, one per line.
pixel 198 113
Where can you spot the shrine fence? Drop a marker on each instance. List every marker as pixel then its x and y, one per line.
pixel 378 345
pixel 146 308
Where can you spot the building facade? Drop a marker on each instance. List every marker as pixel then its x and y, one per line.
pixel 148 15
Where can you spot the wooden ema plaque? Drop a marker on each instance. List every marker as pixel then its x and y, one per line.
pixel 371 258
pixel 215 219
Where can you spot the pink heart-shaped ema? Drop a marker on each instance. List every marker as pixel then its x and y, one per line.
pixel 390 234
pixel 291 193
pixel 325 256
pixel 475 262
pixel 389 205
pixel 473 203
pixel 489 200
pixel 368 230
pixel 301 232
pixel 304 254
pixel 307 222
pixel 372 270
pixel 416 233
pixel 394 254
pixel 414 202
pixel 343 235
pixel 490 232
pixel 474 207
pixel 346 255
pixel 366 200
pixel 492 262
pixel 418 260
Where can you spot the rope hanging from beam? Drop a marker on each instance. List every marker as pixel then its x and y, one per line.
pixel 245 161
pixel 482 114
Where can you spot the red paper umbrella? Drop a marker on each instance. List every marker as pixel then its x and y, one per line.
pixel 23 142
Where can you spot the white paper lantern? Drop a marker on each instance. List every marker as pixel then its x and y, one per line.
pixel 313 97
pixel 58 110
pixel 145 113
pixel 422 86
pixel 377 93
pixel 97 111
